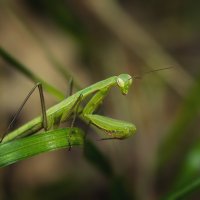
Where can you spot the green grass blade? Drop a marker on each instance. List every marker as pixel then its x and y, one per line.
pixel 24 70
pixel 190 168
pixel 27 147
pixel 185 191
pixel 188 112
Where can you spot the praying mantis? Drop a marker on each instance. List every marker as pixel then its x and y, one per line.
pixel 61 112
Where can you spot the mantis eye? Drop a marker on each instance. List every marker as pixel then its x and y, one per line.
pixel 130 81
pixel 120 83
pixel 124 81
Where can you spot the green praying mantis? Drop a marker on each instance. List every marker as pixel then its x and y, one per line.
pixel 62 111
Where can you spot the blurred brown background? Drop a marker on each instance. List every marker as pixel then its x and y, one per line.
pixel 94 40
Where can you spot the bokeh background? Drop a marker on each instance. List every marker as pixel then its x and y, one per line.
pixel 91 40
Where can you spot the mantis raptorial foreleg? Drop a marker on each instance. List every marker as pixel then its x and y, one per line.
pixel 116 129
pixel 95 101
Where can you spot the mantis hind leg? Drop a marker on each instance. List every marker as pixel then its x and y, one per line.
pixel 43 107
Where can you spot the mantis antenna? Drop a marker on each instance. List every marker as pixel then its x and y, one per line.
pixel 148 72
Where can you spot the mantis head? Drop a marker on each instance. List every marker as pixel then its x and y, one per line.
pixel 124 81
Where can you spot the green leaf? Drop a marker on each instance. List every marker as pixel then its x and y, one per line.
pixel 27 147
